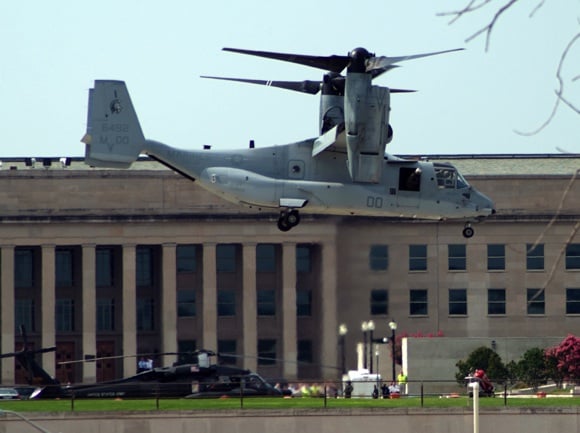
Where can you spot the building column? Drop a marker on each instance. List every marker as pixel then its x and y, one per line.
pixel 169 302
pixel 289 328
pixel 47 307
pixel 89 311
pixel 249 308
pixel 7 312
pixel 328 321
pixel 129 309
pixel 209 298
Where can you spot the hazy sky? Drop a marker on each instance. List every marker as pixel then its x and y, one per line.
pixel 468 102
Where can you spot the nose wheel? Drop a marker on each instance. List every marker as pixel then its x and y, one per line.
pixel 468 231
pixel 288 219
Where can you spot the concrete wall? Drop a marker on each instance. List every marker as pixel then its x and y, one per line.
pixel 434 359
pixel 294 421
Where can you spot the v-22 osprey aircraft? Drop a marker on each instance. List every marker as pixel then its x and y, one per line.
pixel 343 171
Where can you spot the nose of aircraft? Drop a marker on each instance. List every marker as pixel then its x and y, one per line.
pixel 483 203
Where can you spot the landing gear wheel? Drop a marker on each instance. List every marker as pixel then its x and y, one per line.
pixel 283 224
pixel 468 232
pixel 288 220
pixel 293 218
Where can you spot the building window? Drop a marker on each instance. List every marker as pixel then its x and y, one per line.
pixel 418 305
pixel 573 256
pixel 417 258
pixel 23 268
pixel 144 266
pixel 379 257
pixel 305 353
pixel 225 348
pixel 496 301
pixel 145 314
pixel 536 301
pixel 226 258
pixel 104 267
pixel 64 315
pixel 458 302
pixel 496 257
pixel 572 301
pixel 535 257
pixel 105 314
pixel 266 258
pixel 266 352
pixel 266 302
pixel 226 303
pixel 379 302
pixel 186 303
pixel 64 267
pixel 24 314
pixel 303 302
pixel 303 259
pixel 457 257
pixel 186 348
pixel 186 257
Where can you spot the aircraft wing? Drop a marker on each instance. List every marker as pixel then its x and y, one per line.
pixel 332 140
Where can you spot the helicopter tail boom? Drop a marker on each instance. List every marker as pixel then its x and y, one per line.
pixel 114 137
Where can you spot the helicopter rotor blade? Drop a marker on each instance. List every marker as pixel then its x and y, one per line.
pixel 381 62
pixel 306 86
pixel 332 63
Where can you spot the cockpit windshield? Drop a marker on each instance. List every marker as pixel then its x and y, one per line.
pixel 448 177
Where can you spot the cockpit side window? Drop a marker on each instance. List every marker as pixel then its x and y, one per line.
pixel 446 177
pixel 409 179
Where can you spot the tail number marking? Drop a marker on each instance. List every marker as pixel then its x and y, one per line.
pixel 121 128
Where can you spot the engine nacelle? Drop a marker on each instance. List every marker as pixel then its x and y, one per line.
pixel 367 127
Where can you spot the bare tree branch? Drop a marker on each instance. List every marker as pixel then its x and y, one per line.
pixel 560 91
pixel 474 5
pixel 470 7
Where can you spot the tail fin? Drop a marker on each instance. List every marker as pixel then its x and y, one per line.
pixel 114 137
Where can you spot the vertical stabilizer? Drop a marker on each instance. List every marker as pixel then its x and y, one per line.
pixel 114 137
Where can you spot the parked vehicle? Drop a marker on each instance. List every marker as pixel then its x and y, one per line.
pixel 9 394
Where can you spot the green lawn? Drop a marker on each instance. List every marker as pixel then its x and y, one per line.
pixel 271 403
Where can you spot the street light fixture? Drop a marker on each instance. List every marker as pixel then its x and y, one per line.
pixel 371 328
pixel 342 331
pixel 393 326
pixel 364 327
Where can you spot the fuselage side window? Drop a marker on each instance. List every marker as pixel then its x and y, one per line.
pixel 409 179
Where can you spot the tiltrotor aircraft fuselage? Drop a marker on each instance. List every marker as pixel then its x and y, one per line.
pixel 343 171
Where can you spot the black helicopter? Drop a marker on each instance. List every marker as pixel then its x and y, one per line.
pixel 199 379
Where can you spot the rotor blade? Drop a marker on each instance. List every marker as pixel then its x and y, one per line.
pixel 328 63
pixel 307 86
pixel 401 90
pixel 8 355
pixel 384 62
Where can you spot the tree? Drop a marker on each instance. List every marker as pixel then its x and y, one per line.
pixel 482 358
pixel 532 368
pixel 566 356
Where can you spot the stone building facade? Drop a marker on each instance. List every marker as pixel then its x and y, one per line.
pixel 121 262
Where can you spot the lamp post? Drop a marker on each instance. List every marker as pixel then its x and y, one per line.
pixel 342 331
pixel 371 328
pixel 364 327
pixel 393 326
pixel 377 355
